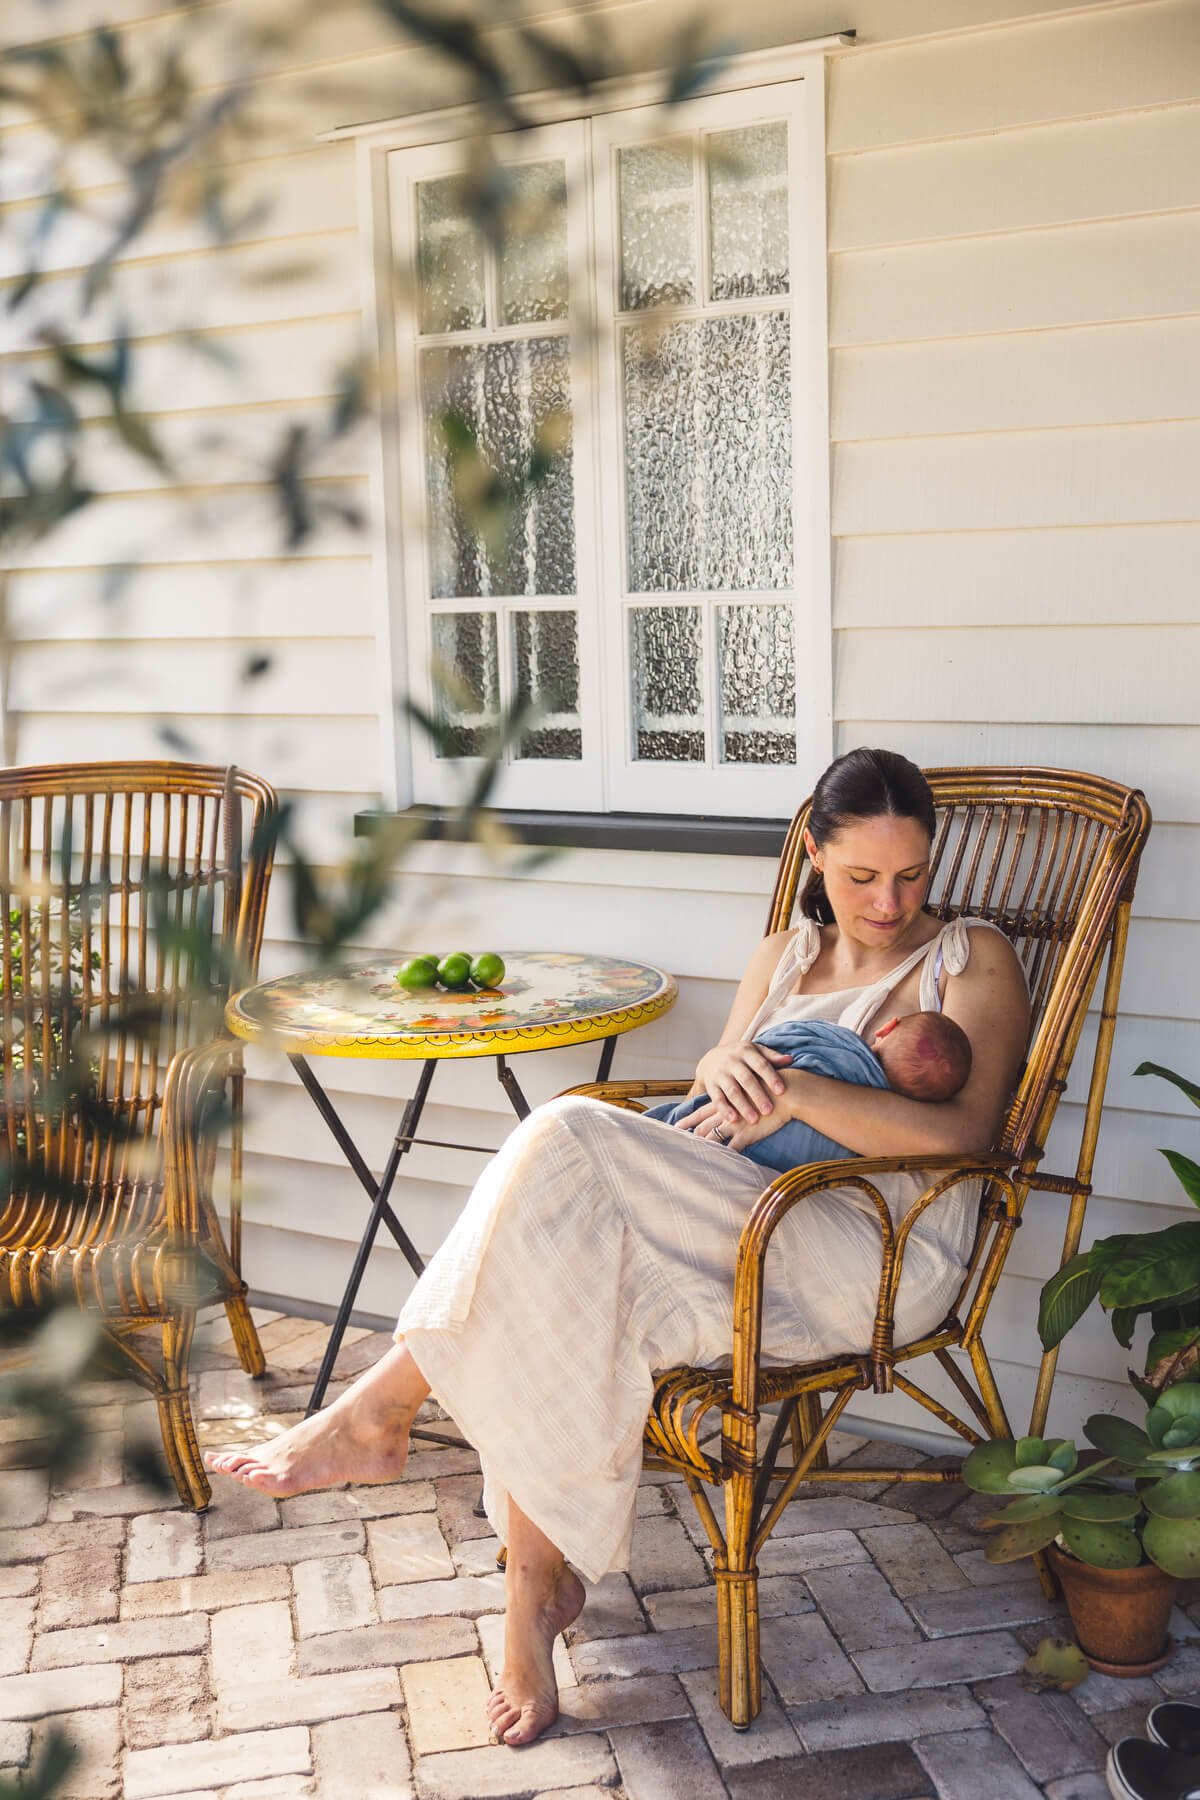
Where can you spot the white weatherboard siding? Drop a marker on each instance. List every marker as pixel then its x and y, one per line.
pixel 1014 232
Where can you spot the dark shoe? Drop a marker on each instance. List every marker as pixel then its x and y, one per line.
pixel 1175 1723
pixel 1140 1771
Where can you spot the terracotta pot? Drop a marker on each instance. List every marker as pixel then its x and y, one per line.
pixel 1120 1615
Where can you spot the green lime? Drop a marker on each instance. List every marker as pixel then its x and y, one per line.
pixel 454 971
pixel 417 972
pixel 487 970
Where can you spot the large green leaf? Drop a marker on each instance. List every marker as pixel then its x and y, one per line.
pixel 1174 1544
pixel 1180 1081
pixel 989 1466
pixel 1100 1509
pixel 1038 1479
pixel 1030 1506
pixel 1031 1450
pixel 1153 1267
pixel 1188 1173
pixel 1066 1297
pixel 1103 1546
pixel 1166 1345
pixel 1016 1541
pixel 1174 1497
pixel 1117 1437
pixel 1181 1401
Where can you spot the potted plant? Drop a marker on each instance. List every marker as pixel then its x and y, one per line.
pixel 1154 1272
pixel 1120 1523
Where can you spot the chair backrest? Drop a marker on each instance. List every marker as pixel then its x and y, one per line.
pixel 134 895
pixel 1048 855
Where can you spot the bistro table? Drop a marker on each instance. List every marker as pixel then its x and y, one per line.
pixel 547 1000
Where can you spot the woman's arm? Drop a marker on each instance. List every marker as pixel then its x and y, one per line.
pixel 989 1001
pixel 743 1075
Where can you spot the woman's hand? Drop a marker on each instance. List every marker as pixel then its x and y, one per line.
pixel 710 1122
pixel 742 1081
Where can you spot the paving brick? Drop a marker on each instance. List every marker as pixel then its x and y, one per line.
pixel 259 1704
pixel 980 1572
pixel 638 1701
pixel 476 1556
pixel 1105 1693
pixel 427 1464
pixel 665 1760
pixel 838 1513
pixel 812 1550
pixel 276 1787
pixel 575 1793
pixel 14 1745
pixel 770 1736
pixel 861 1607
pixel 663 1556
pixel 166 1702
pixel 1125 1721
pixel 32 1543
pixel 95 1739
pixel 251 1643
pixel 59 1690
pixel 366 1758
pixel 466 1594
pixel 163 1547
pixel 123 1641
pixel 873 1773
pixel 1181 1677
pixel 1078 1787
pixel 237 1510
pixel 16 1634
pixel 382 1502
pixel 334 1593
pixel 803 1660
pixel 985 1609
pixel 182 1768
pixel 965 1764
pixel 612 1608
pixel 26 1497
pixel 652 1653
pixel 79 1587
pixel 913 1560
pixel 884 1718
pixel 406 1549
pixel 446 1702
pixel 19 1580
pixel 495 1772
pixel 260 1550
pixel 942 1663
pixel 457 1498
pixel 121 1501
pixel 370 1646
pixel 205 1593
pixel 490 1630
pixel 1049 1735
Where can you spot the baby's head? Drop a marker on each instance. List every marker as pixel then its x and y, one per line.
pixel 925 1055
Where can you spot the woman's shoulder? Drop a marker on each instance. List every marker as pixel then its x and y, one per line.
pixel 978 948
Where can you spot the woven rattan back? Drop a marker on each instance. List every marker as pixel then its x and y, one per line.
pixel 1047 855
pixel 134 896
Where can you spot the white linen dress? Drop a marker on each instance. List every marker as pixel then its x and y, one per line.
pixel 598 1246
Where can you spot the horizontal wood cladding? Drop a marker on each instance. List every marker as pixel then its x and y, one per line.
pixel 304 676
pixel 296 599
pixel 1020 381
pixel 1020 281
pixel 1092 60
pixel 336 753
pixel 1048 175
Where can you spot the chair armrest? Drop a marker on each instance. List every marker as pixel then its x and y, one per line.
pixel 786 1191
pixel 626 1093
pixel 190 1123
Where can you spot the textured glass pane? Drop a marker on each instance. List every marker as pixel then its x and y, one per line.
pixel 492 529
pixel 466 668
pixel 748 210
pixel 668 709
pixel 449 259
pixel 546 666
pixel 708 454
pixel 758 684
pixel 533 261
pixel 658 224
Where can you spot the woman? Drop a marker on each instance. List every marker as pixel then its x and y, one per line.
pixel 598 1245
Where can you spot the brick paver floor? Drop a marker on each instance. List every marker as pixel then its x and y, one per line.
pixel 341 1645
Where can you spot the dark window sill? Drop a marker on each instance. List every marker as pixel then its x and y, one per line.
pixel 604 831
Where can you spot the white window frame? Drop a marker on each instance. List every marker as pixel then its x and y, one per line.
pixel 606 781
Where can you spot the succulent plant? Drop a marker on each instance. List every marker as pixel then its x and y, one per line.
pixel 1134 1496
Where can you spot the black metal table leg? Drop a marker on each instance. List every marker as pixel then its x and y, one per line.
pixel 604 1069
pixel 512 1088
pixel 401 1143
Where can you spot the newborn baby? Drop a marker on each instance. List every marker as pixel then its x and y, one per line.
pixel 924 1056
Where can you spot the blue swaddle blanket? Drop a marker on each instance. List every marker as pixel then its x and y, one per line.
pixel 821 1048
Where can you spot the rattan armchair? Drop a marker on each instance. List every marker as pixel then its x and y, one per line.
pixel 134 895
pixel 1050 856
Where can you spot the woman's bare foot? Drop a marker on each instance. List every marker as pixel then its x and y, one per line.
pixel 362 1438
pixel 541 1604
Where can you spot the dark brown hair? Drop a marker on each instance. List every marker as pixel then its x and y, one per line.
pixel 863 784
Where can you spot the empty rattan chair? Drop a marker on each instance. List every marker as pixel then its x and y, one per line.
pixel 1051 857
pixel 135 895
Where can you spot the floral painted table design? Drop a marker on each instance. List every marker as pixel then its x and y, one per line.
pixel 548 999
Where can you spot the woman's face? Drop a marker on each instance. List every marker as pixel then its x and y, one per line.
pixel 876 876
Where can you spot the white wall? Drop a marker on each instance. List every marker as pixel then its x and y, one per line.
pixel 1015 319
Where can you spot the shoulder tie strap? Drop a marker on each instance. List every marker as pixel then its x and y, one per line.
pixel 806 945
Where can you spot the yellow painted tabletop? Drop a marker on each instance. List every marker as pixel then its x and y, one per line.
pixel 547 998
